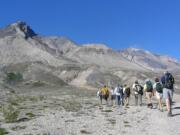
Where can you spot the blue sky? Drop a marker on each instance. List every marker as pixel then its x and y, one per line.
pixel 149 24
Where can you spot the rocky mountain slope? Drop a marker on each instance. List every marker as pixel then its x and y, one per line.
pixel 151 61
pixel 58 60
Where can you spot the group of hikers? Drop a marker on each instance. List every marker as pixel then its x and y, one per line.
pixel 162 88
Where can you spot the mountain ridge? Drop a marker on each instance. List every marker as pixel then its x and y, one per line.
pixel 81 65
pixel 29 32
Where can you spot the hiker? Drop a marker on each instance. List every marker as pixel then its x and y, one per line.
pixel 148 88
pixel 113 95
pixel 119 95
pixel 104 92
pixel 138 93
pixel 168 88
pixel 99 95
pixel 127 93
pixel 158 88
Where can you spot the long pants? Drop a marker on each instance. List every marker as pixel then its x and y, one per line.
pixel 119 99
pixel 138 99
pixel 168 94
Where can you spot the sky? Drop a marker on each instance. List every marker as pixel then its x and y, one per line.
pixel 153 25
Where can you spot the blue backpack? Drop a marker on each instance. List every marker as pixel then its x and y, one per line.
pixel 168 81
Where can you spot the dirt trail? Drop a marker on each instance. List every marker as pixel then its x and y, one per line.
pixel 85 116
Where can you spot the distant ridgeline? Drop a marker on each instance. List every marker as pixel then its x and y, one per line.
pixel 29 57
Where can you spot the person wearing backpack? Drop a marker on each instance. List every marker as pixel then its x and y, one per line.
pixel 105 93
pixel 158 88
pixel 148 88
pixel 127 93
pixel 168 88
pixel 138 92
pixel 119 95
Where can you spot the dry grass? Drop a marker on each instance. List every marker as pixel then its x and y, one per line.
pixel 16 128
pixel 71 105
pixel 10 113
pixel 112 121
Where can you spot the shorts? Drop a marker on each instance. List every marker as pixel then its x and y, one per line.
pixel 167 93
pixel 105 97
pixel 149 94
pixel 159 95
pixel 126 95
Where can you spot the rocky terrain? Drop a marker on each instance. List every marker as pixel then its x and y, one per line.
pixel 74 111
pixel 48 86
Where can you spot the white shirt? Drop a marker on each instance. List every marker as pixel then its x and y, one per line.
pixel 112 92
pixel 116 91
pixel 134 88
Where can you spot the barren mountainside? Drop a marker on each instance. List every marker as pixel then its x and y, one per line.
pixel 58 60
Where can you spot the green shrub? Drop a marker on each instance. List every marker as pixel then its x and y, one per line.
pixel 10 113
pixel 13 77
pixel 3 131
pixel 16 128
pixel 31 115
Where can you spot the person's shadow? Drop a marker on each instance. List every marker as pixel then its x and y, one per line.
pixel 177 114
pixel 178 107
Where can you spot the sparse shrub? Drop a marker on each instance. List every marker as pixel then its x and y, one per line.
pixel 33 99
pixel 126 122
pixel 16 100
pixel 71 106
pixel 3 131
pixel 42 98
pixel 13 77
pixel 13 102
pixel 31 115
pixel 112 121
pixel 46 134
pixel 129 126
pixel 0 108
pixel 16 128
pixel 85 132
pixel 10 113
pixel 38 84
pixel 107 110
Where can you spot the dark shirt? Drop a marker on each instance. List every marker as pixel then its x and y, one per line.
pixel 167 81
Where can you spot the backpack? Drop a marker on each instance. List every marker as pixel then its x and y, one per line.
pixel 106 91
pixel 139 89
pixel 149 87
pixel 159 88
pixel 127 91
pixel 169 81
